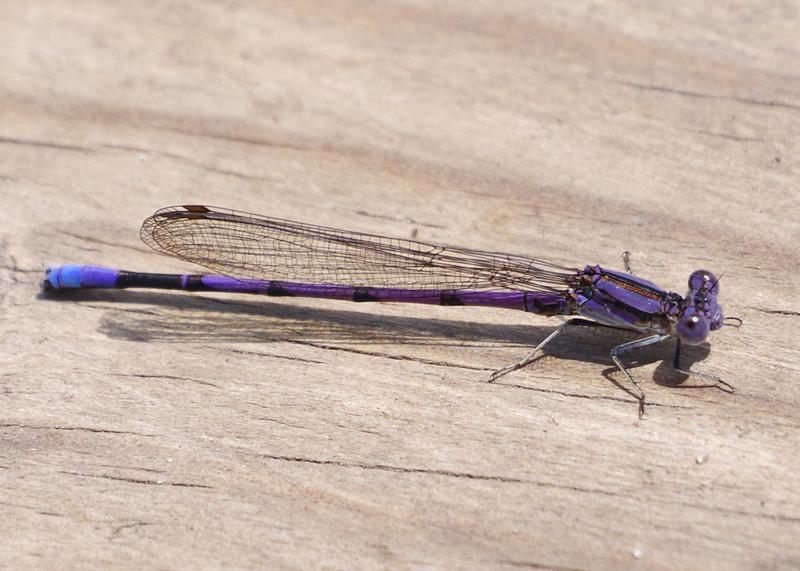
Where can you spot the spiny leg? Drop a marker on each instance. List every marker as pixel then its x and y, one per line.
pixel 624 348
pixel 626 259
pixel 535 354
pixel 676 364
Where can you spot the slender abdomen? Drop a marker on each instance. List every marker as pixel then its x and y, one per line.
pixel 74 277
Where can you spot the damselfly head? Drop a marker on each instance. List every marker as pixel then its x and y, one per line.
pixel 701 312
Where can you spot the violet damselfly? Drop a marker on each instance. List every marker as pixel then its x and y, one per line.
pixel 270 256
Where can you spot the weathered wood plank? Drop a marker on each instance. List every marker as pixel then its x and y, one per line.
pixel 160 429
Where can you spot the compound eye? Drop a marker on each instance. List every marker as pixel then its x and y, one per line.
pixel 693 327
pixel 703 279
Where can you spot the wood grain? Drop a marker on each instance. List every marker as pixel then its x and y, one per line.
pixel 149 429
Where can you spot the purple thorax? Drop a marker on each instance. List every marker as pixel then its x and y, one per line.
pixel 623 300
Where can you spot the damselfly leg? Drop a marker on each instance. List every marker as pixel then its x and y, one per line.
pixel 537 351
pixel 626 260
pixel 624 348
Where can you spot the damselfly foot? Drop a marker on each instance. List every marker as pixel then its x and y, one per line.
pixel 709 377
pixel 738 321
pixel 676 364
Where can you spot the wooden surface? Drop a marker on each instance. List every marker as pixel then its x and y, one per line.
pixel 167 430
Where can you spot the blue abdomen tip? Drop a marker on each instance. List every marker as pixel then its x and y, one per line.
pixel 73 276
pixel 61 277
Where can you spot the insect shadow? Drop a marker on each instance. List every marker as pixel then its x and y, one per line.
pixel 167 317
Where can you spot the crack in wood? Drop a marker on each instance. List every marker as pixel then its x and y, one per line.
pixel 590 397
pixel 190 161
pixel 507 480
pixel 165 377
pixel 387 355
pixel 275 356
pixel 75 428
pixel 44 144
pixel 701 95
pixel 786 312
pixel 119 529
pixel 142 481
pixel 390 468
pixel 537 565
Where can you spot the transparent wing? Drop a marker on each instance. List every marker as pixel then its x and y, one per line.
pixel 243 245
